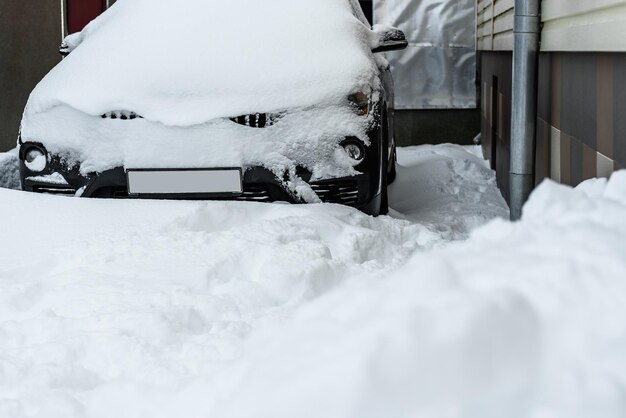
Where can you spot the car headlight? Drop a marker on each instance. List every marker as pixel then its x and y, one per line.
pixel 35 158
pixel 354 148
pixel 360 102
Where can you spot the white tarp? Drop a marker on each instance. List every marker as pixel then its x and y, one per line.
pixel 438 69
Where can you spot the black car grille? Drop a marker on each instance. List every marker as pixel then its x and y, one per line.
pixel 123 115
pixel 258 120
pixel 254 193
pixel 251 193
pixel 55 189
pixel 342 191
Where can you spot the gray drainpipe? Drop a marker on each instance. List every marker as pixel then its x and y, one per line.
pixel 524 103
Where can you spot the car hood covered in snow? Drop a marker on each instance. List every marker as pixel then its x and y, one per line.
pixel 187 67
pixel 187 62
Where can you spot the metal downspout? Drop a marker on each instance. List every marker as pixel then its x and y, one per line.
pixel 524 103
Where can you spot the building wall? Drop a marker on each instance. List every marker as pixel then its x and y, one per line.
pixel 568 25
pixel 30 35
pixel 80 12
pixel 496 112
pixel 583 25
pixel 436 126
pixel 494 21
pixel 435 77
pixel 581 130
pixel 438 68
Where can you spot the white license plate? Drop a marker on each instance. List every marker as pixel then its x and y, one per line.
pixel 226 181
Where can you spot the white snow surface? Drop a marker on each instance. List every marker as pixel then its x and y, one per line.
pixel 9 170
pixel 213 309
pixel 184 63
pixel 309 138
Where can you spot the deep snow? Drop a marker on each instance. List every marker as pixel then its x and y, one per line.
pixel 9 170
pixel 185 63
pixel 198 309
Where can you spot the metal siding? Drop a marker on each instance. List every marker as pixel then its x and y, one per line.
pixel 496 76
pixel 438 68
pixel 581 25
pixel 494 25
pixel 619 87
pixel 581 100
pixel 569 25
pixel 553 9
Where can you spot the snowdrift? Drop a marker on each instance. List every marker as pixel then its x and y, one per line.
pixel 521 320
pixel 184 63
pixel 9 170
pixel 197 309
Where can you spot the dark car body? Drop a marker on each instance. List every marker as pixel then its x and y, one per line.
pixel 366 191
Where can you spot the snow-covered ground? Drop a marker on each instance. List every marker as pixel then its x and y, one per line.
pixel 207 309
pixel 9 170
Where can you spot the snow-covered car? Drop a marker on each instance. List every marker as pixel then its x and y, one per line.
pixel 279 100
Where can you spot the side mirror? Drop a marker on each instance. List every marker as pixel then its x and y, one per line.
pixel 386 38
pixel 64 50
pixel 70 43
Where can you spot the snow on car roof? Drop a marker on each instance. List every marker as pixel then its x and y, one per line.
pixel 187 62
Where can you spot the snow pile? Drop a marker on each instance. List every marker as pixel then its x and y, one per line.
pixel 309 138
pixel 127 307
pixel 522 320
pixel 166 309
pixel 449 188
pixel 214 59
pixel 9 170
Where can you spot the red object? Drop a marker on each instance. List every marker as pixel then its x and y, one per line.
pixel 81 12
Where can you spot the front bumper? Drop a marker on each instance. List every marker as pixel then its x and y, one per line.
pixel 362 191
pixel 259 185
